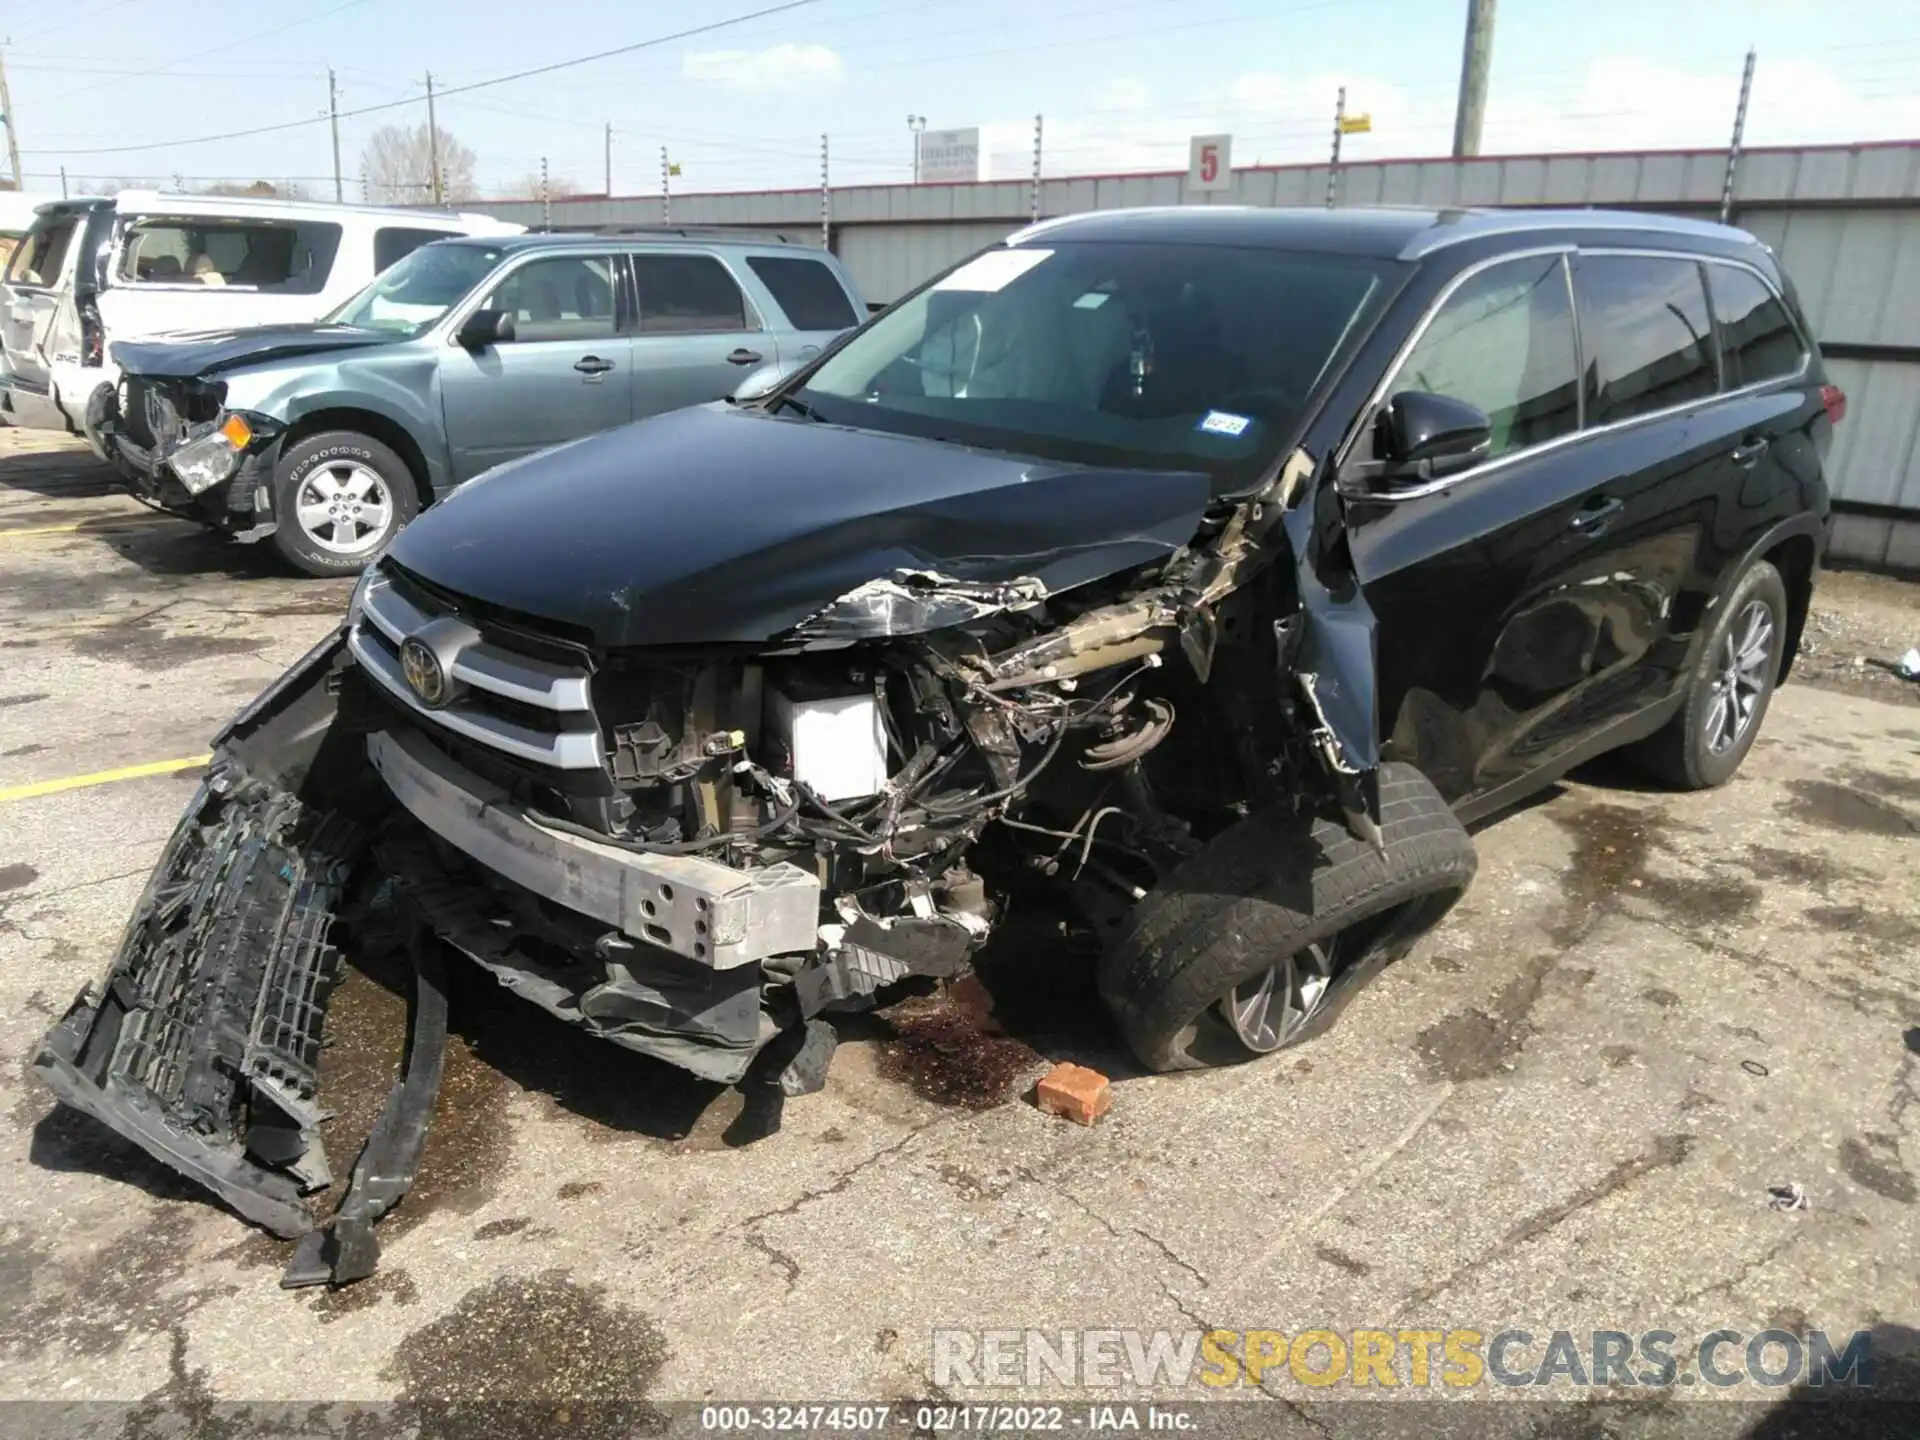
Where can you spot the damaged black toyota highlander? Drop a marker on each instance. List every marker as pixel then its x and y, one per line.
pixel 1195 572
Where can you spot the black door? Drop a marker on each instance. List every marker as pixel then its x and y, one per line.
pixel 1522 608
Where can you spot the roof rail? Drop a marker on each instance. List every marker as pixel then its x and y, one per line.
pixel 683 232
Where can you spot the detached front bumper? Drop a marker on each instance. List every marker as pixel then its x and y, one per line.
pixel 202 1041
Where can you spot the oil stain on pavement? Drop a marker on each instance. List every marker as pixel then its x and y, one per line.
pixel 943 1055
pixel 532 1356
pixel 1840 807
pixel 471 1137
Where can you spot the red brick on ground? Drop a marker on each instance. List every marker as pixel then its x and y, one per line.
pixel 1075 1092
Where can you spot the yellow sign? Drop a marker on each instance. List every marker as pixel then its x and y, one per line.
pixel 674 168
pixel 1356 124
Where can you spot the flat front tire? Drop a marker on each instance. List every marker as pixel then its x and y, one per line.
pixel 340 497
pixel 1259 941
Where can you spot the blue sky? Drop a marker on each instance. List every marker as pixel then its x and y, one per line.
pixel 1122 83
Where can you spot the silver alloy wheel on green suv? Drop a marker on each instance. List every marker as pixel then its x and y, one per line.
pixel 339 497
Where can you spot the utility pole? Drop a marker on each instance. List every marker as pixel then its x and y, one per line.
pixel 433 143
pixel 546 198
pixel 826 200
pixel 1476 58
pixel 1036 169
pixel 916 123
pixel 6 117
pixel 1339 129
pixel 63 182
pixel 609 159
pixel 333 115
pixel 1733 150
pixel 666 188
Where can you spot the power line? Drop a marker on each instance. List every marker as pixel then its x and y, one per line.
pixel 528 74
pixel 202 54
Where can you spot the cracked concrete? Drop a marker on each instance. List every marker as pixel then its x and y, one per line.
pixel 1563 1111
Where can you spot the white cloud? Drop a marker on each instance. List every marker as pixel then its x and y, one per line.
pixel 778 67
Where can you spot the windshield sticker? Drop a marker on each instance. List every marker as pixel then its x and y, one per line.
pixel 1092 300
pixel 1219 422
pixel 994 270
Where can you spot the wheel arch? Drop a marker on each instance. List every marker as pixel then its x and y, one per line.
pixel 1794 556
pixel 372 423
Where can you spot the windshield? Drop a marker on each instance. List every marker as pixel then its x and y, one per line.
pixel 408 298
pixel 1196 357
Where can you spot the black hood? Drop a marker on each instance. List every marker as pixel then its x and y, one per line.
pixel 203 352
pixel 719 525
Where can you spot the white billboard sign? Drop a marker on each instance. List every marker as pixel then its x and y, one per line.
pixel 1210 163
pixel 950 154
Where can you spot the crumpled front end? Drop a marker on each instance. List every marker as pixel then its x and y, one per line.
pixel 698 853
pixel 177 446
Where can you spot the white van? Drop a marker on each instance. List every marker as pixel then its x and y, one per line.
pixel 92 271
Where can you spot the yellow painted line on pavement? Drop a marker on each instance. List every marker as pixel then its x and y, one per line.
pixel 100 777
pixel 87 526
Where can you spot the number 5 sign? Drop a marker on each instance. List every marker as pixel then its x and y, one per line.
pixel 1210 163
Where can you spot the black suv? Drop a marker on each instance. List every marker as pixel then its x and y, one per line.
pixel 1185 578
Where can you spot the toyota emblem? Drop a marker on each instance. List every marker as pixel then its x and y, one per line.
pixel 424 676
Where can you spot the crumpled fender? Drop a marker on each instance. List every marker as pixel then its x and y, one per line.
pixel 1333 657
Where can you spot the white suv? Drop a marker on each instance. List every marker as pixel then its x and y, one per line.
pixel 93 271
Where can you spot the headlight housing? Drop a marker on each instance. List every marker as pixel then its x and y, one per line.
pixel 204 460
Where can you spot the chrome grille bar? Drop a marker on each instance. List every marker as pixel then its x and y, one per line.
pixel 486 671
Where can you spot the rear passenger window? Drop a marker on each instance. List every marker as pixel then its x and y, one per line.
pixel 1757 340
pixel 268 255
pixel 1644 326
pixel 1504 341
pixel 563 297
pixel 687 295
pixel 42 255
pixel 806 290
pixel 393 243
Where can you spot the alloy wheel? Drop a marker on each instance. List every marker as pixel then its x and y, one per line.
pixel 1740 677
pixel 344 508
pixel 1270 1009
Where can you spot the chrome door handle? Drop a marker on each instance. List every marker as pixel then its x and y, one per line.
pixel 1747 452
pixel 593 365
pixel 744 356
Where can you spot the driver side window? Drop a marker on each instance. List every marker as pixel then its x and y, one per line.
pixel 559 298
pixel 1504 342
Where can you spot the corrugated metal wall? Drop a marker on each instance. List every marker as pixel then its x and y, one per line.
pixel 886 261
pixel 1858 274
pixel 1844 219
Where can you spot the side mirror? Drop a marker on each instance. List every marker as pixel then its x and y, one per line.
pixel 485 327
pixel 1427 436
pixel 765 379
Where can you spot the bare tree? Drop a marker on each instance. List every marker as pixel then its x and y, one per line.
pixel 558 187
pixel 259 189
pixel 397 166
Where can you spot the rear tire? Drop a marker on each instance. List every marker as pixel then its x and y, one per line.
pixel 1294 904
pixel 1733 682
pixel 340 497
